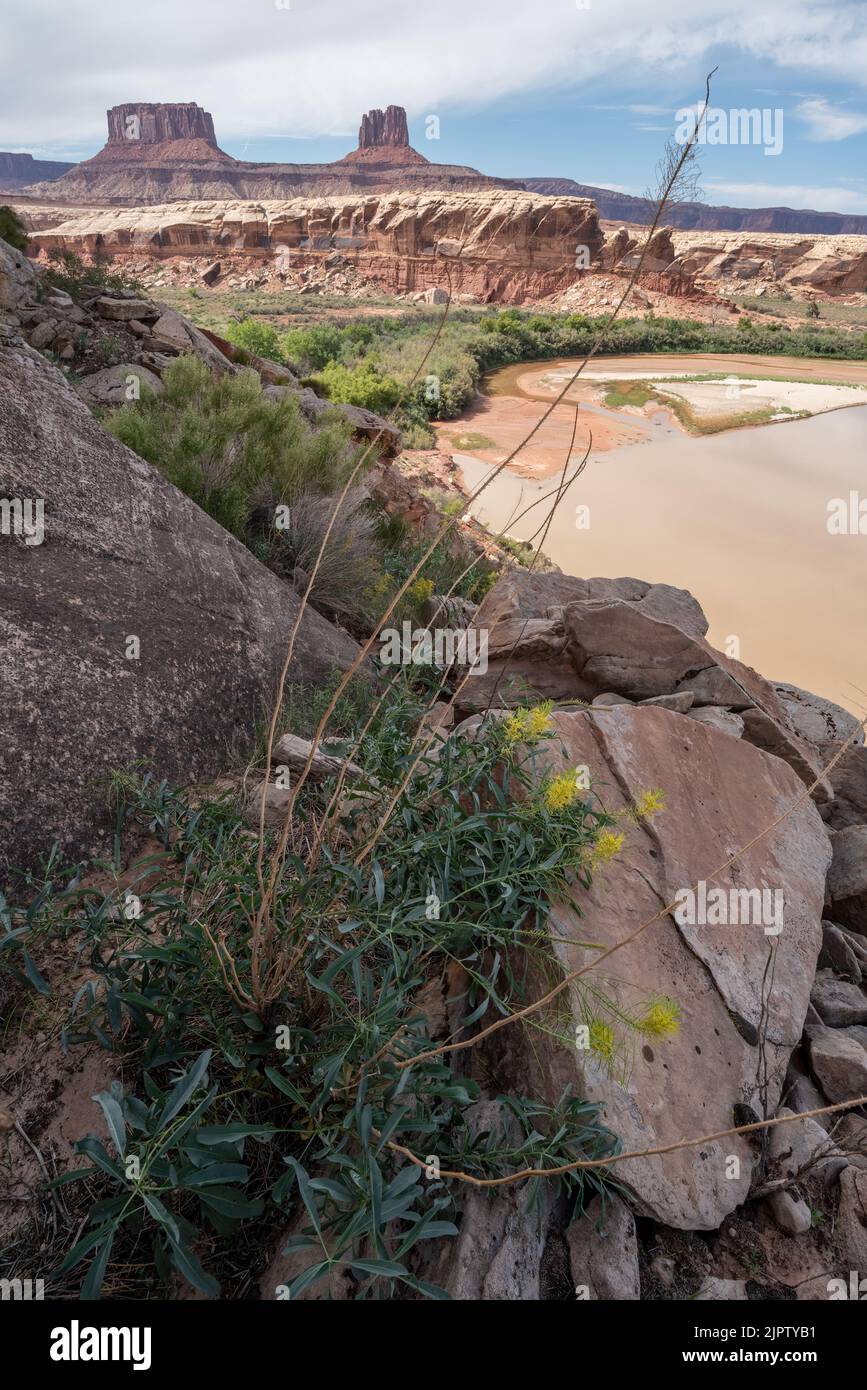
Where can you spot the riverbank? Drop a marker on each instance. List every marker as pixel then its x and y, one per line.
pixel 660 395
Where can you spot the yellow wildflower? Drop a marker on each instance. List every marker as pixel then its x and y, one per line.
pixel 562 790
pixel 607 847
pixel 527 725
pixel 648 803
pixel 602 1040
pixel 661 1019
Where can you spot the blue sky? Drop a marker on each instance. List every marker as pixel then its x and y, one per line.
pixel 552 88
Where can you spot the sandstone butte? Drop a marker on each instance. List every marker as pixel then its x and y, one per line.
pixel 504 245
pixel 156 152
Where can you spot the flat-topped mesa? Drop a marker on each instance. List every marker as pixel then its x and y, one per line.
pixel 387 127
pixel 148 132
pixel 152 123
pixel 18 170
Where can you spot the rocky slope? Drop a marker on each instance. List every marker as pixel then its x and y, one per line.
pixel 771 1010
pixel 123 556
pixel 506 246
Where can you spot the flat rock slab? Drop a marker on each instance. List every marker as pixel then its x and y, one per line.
pixel 719 793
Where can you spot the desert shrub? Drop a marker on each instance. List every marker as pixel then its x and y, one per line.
pixel 344 586
pixel 257 337
pixel 314 347
pixel 12 229
pixel 365 385
pixel 230 448
pixel 68 272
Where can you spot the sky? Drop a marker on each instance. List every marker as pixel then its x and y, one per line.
pixel 582 89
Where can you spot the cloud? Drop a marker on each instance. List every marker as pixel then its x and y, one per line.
pixel 827 122
pixel 792 195
pixel 312 68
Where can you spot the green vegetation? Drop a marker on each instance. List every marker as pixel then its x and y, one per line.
pixel 237 1115
pixel 12 229
pixel 258 468
pixel 66 271
pixel 640 393
pixel 371 361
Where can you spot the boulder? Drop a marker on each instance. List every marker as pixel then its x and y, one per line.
pixel 838 1002
pixel 839 1063
pixel 17 278
pixel 498 1251
pixel 847 879
pixel 117 385
pixel 122 310
pixel 791 1213
pixel 678 703
pixel 803 1147
pixel 627 637
pixel 851 1135
pixel 719 794
pixel 43 335
pixel 849 780
pixel 838 953
pixel 137 631
pixel 176 334
pixel 800 1090
pixel 603 1251
pixel 817 720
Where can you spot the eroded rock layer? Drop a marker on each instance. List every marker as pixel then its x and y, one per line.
pixel 508 246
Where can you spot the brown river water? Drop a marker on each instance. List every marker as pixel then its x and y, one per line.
pixel 741 519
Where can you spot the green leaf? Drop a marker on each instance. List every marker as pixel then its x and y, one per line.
pixel 190 1267
pixel 279 1080
pixel 33 974
pixel 215 1172
pixel 161 1214
pixel 84 1246
pixel 308 1277
pixel 92 1286
pixel 185 1088
pixel 114 1119
pixel 306 1191
pixel 228 1201
pixel 389 1268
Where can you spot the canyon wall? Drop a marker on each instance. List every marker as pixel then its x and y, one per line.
pixel 503 246
pixel 19 170
pixel 739 260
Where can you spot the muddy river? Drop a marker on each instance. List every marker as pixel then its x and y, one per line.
pixel 761 524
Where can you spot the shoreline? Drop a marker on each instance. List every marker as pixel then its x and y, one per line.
pixel 688 404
